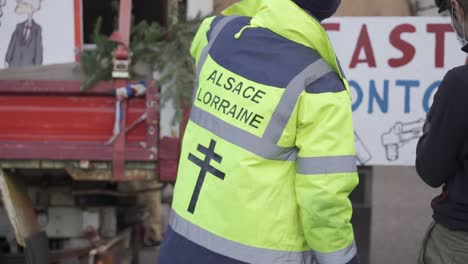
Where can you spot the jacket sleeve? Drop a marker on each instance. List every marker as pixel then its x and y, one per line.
pixel 444 133
pixel 201 39
pixel 326 173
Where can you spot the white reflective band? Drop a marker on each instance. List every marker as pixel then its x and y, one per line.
pixel 204 55
pixel 259 146
pixel 326 165
pixel 338 257
pixel 288 101
pixel 233 249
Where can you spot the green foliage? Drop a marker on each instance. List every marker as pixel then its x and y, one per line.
pixel 165 50
pixel 97 64
pixel 176 65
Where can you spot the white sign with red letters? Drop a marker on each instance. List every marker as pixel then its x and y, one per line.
pixel 394 66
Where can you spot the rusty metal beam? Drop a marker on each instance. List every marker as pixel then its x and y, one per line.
pixel 58 255
pixel 19 207
pixel 51 164
pixel 107 175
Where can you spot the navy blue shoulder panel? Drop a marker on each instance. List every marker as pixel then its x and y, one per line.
pixel 176 249
pixel 329 83
pixel 260 55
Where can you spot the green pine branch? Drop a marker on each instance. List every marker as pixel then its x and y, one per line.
pixel 165 50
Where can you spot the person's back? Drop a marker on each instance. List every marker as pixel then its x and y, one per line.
pixel 268 157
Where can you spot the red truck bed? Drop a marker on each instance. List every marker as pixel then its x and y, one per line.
pixel 54 120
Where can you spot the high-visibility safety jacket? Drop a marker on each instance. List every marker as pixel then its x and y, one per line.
pixel 268 156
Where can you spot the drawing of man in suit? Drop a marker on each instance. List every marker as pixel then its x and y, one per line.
pixel 25 46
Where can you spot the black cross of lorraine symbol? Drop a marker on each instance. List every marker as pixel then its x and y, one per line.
pixel 204 168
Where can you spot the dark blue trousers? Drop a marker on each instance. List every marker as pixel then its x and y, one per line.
pixel 176 249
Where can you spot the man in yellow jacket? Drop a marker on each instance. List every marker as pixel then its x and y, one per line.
pixel 268 157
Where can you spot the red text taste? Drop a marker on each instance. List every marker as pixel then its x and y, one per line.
pixel 408 51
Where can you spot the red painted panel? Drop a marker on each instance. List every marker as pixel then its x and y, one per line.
pixel 24 150
pixel 64 118
pixel 54 120
pixel 168 158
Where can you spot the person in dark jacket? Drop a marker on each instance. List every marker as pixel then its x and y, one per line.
pixel 442 156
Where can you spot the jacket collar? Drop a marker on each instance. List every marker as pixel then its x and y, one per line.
pixel 287 19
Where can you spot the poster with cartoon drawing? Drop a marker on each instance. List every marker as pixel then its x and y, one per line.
pixel 38 32
pixel 394 69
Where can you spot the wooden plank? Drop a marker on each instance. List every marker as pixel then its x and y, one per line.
pixel 68 71
pixel 92 165
pixel 19 207
pixel 354 7
pixel 23 150
pixel 53 87
pixel 107 175
pixel 23 164
pixel 374 8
